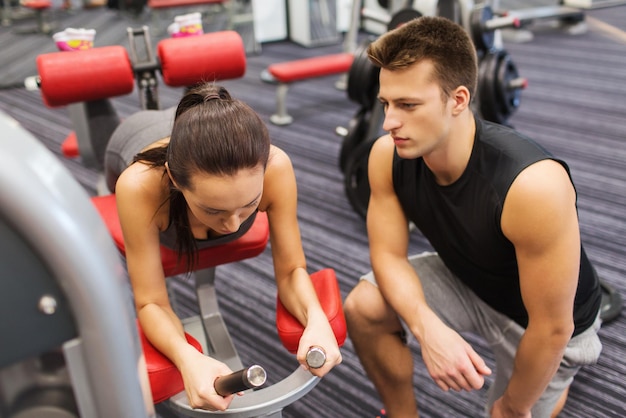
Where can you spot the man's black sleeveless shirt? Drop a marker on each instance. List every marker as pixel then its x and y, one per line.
pixel 462 221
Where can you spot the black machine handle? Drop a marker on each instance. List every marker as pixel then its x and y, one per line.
pixel 248 378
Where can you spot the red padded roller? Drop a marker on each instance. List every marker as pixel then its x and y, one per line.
pixel 327 289
pixel 81 76
pixel 165 379
pixel 210 57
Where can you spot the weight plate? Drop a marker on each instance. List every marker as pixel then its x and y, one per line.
pixel 483 38
pixel 356 183
pixel 362 85
pixel 508 96
pixel 486 75
pixel 401 17
pixel 451 10
pixel 499 99
pixel 611 306
pixel 357 129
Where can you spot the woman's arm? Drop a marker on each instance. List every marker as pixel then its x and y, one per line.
pixel 296 292
pixel 139 195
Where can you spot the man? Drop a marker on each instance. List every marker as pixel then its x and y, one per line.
pixel 499 211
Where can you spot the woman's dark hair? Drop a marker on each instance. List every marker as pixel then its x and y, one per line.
pixel 213 134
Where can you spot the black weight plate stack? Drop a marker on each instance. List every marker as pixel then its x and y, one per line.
pixel 356 183
pixel 401 17
pixel 357 130
pixel 499 99
pixel 484 39
pixel 363 77
pixel 508 96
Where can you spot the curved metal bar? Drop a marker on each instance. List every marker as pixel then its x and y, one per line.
pixel 54 215
pixel 258 402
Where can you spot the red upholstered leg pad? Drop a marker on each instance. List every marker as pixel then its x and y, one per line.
pixel 327 289
pixel 69 147
pixel 223 57
pixel 165 379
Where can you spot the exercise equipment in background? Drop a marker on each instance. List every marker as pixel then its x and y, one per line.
pixel 41 11
pixel 313 22
pixel 283 74
pixel 68 79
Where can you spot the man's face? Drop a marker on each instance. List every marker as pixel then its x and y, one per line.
pixel 415 114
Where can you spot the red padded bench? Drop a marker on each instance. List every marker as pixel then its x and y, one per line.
pixel 285 73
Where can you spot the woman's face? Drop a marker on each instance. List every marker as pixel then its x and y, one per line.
pixel 223 203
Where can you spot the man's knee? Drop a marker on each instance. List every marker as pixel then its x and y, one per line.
pixel 365 308
pixel 355 304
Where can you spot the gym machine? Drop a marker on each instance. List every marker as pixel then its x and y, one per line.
pixel 69 344
pixel 67 79
pixel 181 65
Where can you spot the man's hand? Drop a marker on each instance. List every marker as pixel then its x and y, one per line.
pixel 451 361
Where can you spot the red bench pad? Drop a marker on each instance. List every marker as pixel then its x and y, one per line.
pixel 165 379
pixel 327 289
pixel 289 71
pixel 251 244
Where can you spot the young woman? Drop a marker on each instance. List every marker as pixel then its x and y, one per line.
pixel 193 177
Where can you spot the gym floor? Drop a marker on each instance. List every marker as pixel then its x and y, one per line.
pixel 574 106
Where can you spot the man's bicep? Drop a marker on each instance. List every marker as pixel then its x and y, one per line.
pixel 387 225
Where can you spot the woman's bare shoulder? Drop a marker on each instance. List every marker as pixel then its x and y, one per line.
pixel 142 187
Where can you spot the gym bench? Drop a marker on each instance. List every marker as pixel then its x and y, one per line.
pixel 285 73
pixel 74 348
pixel 208 333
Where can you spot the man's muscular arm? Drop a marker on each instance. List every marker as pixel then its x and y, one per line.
pixel 540 219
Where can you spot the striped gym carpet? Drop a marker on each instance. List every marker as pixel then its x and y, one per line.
pixel 574 105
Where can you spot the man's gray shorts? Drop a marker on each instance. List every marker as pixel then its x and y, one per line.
pixel 463 311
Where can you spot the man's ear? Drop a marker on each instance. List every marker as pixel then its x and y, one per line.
pixel 461 96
